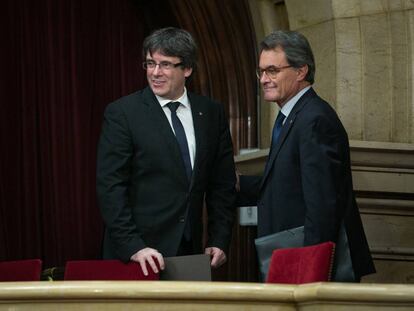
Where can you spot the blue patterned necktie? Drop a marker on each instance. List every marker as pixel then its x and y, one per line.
pixel 277 128
pixel 181 138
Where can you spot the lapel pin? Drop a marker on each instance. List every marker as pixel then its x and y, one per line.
pixel 200 113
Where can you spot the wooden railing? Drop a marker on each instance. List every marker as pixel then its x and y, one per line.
pixel 163 295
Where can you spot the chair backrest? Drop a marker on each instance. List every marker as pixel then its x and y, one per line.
pixel 301 265
pixel 20 270
pixel 105 270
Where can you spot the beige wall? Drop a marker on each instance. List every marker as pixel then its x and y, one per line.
pixel 364 59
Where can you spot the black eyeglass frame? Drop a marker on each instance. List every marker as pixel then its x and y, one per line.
pixel 164 65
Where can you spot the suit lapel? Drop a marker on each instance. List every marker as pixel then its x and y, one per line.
pixel 274 150
pixel 162 126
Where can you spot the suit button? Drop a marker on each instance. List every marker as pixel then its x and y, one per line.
pixel 182 219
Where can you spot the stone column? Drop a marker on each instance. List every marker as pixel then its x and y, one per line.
pixel 364 62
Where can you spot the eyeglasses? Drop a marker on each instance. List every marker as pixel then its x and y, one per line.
pixel 271 71
pixel 149 64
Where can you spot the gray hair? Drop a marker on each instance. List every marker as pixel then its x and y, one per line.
pixel 174 42
pixel 296 47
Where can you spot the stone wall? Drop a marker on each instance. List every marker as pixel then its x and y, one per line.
pixel 364 61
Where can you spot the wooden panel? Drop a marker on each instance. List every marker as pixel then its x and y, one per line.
pixel 384 180
pixel 392 271
pixel 227 62
pixel 389 235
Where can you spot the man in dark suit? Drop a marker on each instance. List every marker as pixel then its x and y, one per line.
pixel 307 179
pixel 163 151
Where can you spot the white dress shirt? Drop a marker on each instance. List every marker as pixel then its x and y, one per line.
pixel 287 108
pixel 186 118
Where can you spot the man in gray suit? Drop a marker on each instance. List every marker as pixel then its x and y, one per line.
pixel 162 153
pixel 307 180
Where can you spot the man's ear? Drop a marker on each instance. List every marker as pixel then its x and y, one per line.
pixel 188 72
pixel 302 72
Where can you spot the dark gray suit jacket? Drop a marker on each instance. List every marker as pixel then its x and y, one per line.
pixel 307 181
pixel 143 191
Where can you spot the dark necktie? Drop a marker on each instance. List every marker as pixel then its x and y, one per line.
pixel 277 128
pixel 181 138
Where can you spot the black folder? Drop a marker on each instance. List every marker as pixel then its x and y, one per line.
pixel 187 268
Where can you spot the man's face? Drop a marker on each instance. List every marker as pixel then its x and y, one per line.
pixel 285 80
pixel 167 83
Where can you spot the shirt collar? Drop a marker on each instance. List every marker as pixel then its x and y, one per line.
pixel 183 99
pixel 287 108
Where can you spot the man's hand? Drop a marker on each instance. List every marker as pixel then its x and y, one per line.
pixel 218 257
pixel 147 255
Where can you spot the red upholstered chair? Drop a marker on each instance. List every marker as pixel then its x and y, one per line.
pixel 302 264
pixel 20 270
pixel 104 270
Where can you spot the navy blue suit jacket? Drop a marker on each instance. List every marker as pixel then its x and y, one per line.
pixel 307 181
